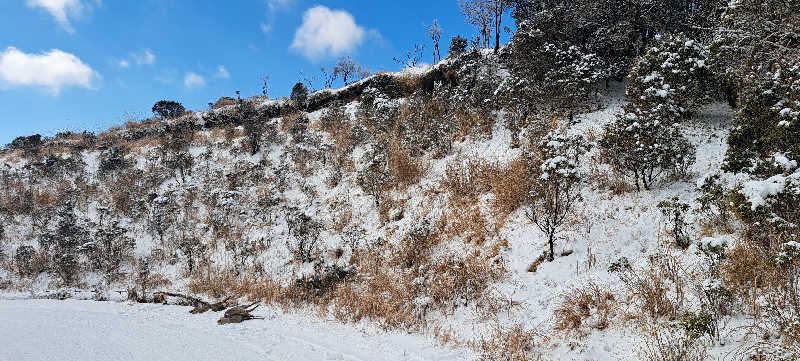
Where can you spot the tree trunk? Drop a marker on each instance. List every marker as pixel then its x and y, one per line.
pixel 551 257
pixel 497 38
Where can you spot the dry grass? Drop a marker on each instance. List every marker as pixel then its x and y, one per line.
pixel 671 344
pixel 534 266
pixel 386 288
pixel 510 344
pixel 473 122
pixel 409 81
pixel 464 219
pixel 658 290
pixel 590 306
pixel 602 177
pixel 768 289
pixel 467 178
pixel 289 121
pixel 510 187
pixel 406 170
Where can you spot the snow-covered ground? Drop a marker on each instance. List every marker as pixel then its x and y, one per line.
pixel 87 330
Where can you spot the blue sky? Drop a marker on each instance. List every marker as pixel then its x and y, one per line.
pixel 90 64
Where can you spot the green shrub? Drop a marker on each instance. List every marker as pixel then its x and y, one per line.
pixel 24 260
pixel 167 109
pixel 299 95
pixel 697 325
pixel 675 212
pixel 675 69
pixel 667 83
pixel 458 45
pixel 767 124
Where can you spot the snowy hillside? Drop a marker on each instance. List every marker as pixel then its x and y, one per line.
pixel 518 205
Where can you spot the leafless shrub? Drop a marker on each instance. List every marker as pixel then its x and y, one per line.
pixel 305 232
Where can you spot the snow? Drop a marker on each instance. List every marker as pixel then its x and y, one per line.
pixel 714 242
pixel 607 227
pixel 757 191
pixel 783 161
pixel 87 330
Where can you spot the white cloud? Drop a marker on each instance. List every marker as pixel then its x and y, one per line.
pixel 61 10
pixel 53 70
pixel 274 6
pixel 146 57
pixel 222 73
pixel 278 4
pixel 327 32
pixel 142 58
pixel 193 80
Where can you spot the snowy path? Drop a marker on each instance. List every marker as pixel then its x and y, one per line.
pixel 86 330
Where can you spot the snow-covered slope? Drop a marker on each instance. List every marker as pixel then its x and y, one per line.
pixel 606 228
pixel 39 330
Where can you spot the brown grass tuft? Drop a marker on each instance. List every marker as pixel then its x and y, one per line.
pixel 590 306
pixel 510 344
pixel 510 187
pixel 406 170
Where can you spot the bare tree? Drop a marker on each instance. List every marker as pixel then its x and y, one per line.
pixel 499 8
pixel 412 56
pixel 435 33
pixel 480 14
pixel 265 85
pixel 555 186
pixel 347 69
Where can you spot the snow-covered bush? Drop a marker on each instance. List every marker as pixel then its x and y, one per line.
pixel 555 187
pixel 427 126
pixel 112 161
pixel 298 127
pixel 324 279
pixel 754 34
pixel 553 76
pixel 673 72
pixel 299 95
pixel 192 249
pixel 244 251
pixel 668 82
pixel 766 137
pixel 55 166
pixel 174 149
pixel 167 109
pixel 305 231
pixel 471 81
pixel 644 142
pixel 253 123
pixel 64 241
pixel 109 248
pixel 675 212
pixel 30 145
pixel 697 325
pixel 714 202
pixel 458 46
pixel 24 260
